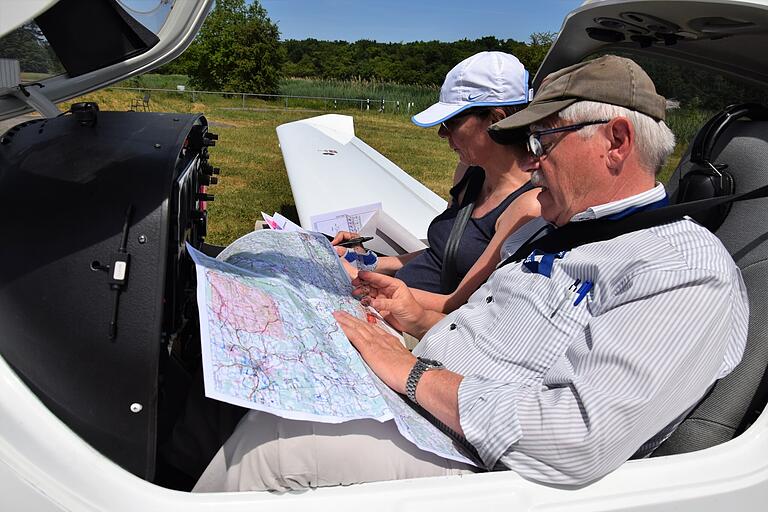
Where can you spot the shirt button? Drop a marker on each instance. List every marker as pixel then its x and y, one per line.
pixel 452 327
pixel 489 299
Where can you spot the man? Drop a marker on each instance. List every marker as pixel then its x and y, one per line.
pixel 562 366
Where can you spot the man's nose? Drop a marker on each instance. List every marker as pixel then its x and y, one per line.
pixel 530 162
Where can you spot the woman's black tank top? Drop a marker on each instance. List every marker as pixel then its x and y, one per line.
pixel 423 271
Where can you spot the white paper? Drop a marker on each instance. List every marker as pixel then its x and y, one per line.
pixel 281 223
pixel 361 219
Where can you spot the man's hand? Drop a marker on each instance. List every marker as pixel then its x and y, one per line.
pixel 437 390
pixel 384 353
pixel 392 298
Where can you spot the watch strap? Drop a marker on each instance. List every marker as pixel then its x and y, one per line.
pixel 422 365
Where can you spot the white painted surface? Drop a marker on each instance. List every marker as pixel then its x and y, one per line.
pixel 14 12
pixel 45 466
pixel 330 169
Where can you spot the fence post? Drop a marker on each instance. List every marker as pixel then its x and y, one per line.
pixel 243 101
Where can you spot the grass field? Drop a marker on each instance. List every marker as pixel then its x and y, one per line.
pixel 253 174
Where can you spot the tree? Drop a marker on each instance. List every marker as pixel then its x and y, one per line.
pixel 28 45
pixel 533 54
pixel 238 49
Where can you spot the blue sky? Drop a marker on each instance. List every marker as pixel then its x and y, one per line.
pixel 414 20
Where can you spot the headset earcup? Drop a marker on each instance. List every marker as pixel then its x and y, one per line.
pixel 703 183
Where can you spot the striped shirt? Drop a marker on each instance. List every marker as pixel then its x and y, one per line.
pixel 564 391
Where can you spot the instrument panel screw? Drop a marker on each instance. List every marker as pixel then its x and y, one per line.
pixel 142 239
pixel 157 146
pixel 136 407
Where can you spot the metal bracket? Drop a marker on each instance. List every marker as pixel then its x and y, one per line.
pixel 35 99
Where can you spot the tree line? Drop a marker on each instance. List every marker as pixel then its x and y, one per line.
pixel 238 49
pixel 419 63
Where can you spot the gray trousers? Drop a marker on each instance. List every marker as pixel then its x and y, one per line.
pixel 270 453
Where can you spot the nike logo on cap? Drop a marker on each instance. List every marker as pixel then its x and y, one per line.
pixel 473 98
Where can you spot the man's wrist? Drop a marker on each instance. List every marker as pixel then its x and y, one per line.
pixel 420 367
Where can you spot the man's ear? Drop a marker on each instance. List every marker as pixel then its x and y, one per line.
pixel 621 137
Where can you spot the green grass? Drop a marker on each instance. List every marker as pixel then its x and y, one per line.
pixel 348 94
pixel 155 81
pixel 420 96
pixel 253 174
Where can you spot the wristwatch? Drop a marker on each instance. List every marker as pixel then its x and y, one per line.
pixel 422 365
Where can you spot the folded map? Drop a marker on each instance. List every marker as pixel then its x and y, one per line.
pixel 270 342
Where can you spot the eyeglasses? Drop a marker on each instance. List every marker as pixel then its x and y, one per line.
pixel 451 124
pixel 537 149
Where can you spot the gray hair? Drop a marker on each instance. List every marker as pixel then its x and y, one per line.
pixel 655 141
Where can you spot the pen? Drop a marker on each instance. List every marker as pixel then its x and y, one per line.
pixel 571 289
pixel 583 291
pixel 356 241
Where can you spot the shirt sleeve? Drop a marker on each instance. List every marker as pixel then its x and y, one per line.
pixel 645 358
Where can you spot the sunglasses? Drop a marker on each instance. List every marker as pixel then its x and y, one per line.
pixel 454 122
pixel 537 149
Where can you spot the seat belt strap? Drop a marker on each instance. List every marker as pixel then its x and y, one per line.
pixel 575 234
pixel 448 276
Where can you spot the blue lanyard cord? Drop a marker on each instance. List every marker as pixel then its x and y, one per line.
pixel 543 265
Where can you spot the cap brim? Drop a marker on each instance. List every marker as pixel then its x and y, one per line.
pixel 438 113
pixel 510 129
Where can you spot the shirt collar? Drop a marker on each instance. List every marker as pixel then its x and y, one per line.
pixel 604 210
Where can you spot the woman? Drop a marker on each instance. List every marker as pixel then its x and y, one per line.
pixel 489 181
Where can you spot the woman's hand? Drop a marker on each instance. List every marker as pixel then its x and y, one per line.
pixel 351 269
pixel 343 236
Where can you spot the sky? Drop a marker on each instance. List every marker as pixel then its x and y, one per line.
pixel 416 20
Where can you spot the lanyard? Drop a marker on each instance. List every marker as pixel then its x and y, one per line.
pixel 541 262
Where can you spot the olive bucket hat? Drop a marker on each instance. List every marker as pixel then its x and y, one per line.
pixel 608 79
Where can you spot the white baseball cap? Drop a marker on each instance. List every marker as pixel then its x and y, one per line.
pixel 486 79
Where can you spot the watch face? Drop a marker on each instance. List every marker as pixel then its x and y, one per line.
pixel 431 362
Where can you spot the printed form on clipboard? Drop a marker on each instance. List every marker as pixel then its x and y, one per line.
pixel 390 238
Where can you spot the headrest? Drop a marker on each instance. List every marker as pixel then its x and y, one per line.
pixel 713 179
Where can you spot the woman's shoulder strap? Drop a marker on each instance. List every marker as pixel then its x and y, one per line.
pixel 471 183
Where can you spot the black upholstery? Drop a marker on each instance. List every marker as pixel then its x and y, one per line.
pixel 735 401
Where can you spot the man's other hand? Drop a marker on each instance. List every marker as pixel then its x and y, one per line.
pixel 393 299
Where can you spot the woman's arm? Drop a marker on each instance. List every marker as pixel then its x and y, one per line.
pixel 390 264
pixel 522 210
